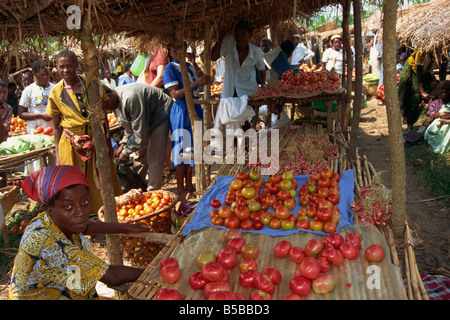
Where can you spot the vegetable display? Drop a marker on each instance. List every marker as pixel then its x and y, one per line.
pixel 312 276
pixel 251 203
pixel 25 143
pixel 299 82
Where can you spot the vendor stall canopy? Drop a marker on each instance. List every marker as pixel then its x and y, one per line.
pixel 169 21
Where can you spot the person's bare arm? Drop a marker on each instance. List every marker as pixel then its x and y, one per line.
pixel 57 132
pixel 118 275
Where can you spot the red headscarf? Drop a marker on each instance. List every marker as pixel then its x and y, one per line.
pixel 42 185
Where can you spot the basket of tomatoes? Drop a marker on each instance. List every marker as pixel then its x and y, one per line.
pixel 151 207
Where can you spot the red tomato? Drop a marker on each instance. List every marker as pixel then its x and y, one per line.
pixel 300 286
pixel 282 213
pixel 168 262
pixel 232 222
pixel 302 224
pixel 227 260
pixel 374 253
pixel 309 268
pixel 231 234
pixel 248 264
pixel 313 247
pixel 247 278
pixel 324 283
pixel 297 254
pixel 224 212
pixel 168 294
pixel 170 274
pixel 211 287
pixel 241 212
pixel 250 251
pixel 213 271
pixel 282 249
pixel 246 224
pixel 274 275
pixel 204 258
pixel 215 203
pixel 260 295
pixel 197 281
pixel 236 244
pixel 316 225
pixel 264 283
pixel 349 250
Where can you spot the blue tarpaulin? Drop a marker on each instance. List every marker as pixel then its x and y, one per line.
pixel 218 191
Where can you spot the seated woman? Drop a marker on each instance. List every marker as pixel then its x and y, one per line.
pixel 438 132
pixel 54 261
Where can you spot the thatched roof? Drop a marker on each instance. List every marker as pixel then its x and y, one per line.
pixel 170 21
pixel 426 26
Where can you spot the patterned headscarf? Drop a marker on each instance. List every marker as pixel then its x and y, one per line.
pixel 42 185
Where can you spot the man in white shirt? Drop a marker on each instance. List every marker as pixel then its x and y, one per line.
pixel 301 53
pixel 241 57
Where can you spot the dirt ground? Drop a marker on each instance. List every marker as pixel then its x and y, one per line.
pixel 428 218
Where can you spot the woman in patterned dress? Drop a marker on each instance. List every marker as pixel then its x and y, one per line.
pixel 54 261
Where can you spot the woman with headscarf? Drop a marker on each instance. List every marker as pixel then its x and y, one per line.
pixel 54 261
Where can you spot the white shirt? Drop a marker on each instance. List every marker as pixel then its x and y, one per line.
pixel 35 99
pixel 237 76
pixel 301 52
pixel 112 85
pixel 333 58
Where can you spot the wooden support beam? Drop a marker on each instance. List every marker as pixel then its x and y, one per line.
pixel 97 121
pixel 394 116
pixel 358 79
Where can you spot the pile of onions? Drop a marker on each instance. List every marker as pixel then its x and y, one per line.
pixel 373 211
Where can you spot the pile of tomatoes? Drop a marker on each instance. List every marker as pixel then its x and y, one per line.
pixel 247 207
pixel 47 131
pixel 147 204
pixel 301 82
pixel 313 263
pixel 17 124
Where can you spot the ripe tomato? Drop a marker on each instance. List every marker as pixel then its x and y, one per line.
pixel 316 225
pixel 215 203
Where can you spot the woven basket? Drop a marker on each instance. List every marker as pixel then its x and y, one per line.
pixel 160 220
pixel 9 198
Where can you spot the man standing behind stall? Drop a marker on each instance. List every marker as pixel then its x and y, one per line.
pixel 127 77
pixel 301 53
pixel 143 111
pixel 241 57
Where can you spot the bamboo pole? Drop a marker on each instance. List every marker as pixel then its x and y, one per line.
pixel 358 79
pixel 394 117
pixel 207 94
pixel 192 115
pixel 97 119
pixel 348 53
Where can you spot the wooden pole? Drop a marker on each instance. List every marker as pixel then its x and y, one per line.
pixel 394 117
pixel 349 79
pixel 97 119
pixel 192 114
pixel 358 79
pixel 207 118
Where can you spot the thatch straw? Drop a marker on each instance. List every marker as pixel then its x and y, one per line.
pixel 161 19
pixel 426 26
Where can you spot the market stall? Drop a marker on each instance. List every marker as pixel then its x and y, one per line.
pixel 174 23
pixel 353 277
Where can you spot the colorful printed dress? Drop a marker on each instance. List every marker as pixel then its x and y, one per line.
pixel 180 123
pixel 48 266
pixel 67 106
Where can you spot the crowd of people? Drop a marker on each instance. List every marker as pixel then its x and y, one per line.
pixel 153 112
